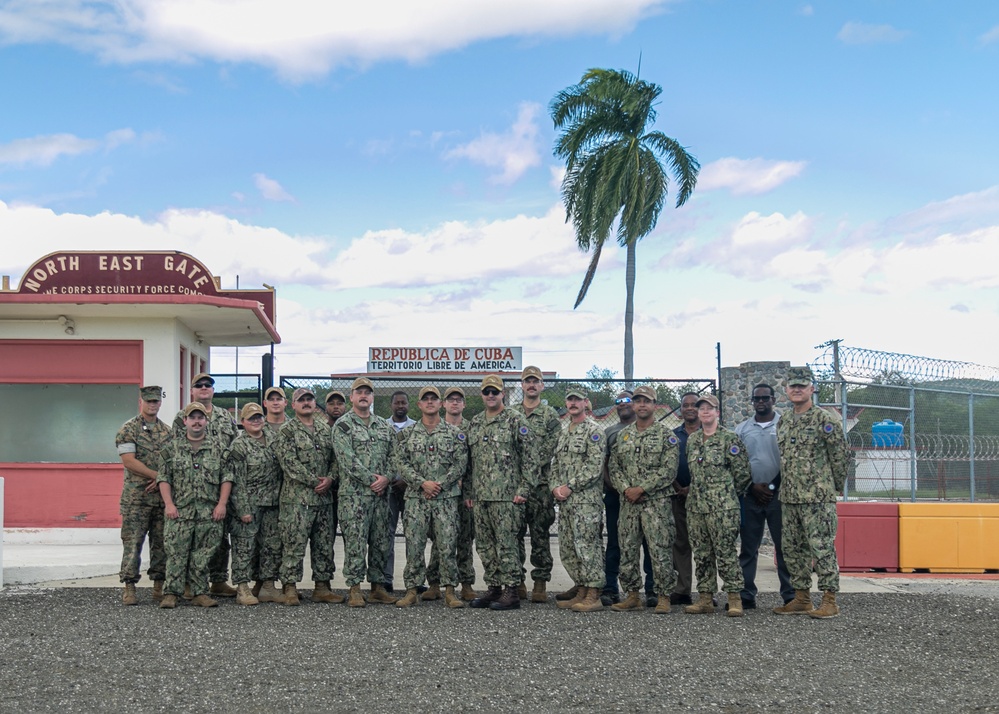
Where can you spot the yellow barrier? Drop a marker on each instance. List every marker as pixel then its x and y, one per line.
pixel 948 537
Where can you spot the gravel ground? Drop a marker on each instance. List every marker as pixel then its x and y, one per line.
pixel 79 650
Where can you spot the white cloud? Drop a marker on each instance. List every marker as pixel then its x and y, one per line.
pixel 44 150
pixel 747 176
pixel 990 36
pixel 806 10
pixel 271 189
pixel 300 38
pixel 862 33
pixel 511 153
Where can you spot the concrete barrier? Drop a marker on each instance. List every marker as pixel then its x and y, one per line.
pixel 948 537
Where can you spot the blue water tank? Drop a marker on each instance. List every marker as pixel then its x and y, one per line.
pixel 887 434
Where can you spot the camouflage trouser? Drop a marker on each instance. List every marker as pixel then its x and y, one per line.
pixel 463 553
pixel 581 542
pixel 712 540
pixel 219 566
pixel 306 525
pixel 189 546
pixel 809 534
pixel 364 524
pixel 652 519
pixel 136 521
pixel 497 524
pixel 256 546
pixel 421 517
pixel 539 515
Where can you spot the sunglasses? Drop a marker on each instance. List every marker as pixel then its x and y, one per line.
pixel 623 400
pixel 202 385
pixel 490 392
pixel 762 399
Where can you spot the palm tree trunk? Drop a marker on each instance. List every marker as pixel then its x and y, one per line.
pixel 629 316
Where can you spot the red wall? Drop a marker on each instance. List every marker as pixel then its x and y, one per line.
pixel 71 361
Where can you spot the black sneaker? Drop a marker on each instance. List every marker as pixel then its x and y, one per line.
pixel 608 598
pixel 651 600
pixel 676 599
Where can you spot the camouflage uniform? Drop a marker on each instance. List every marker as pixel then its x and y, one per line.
pixel 305 456
pixel 539 512
pixel 256 546
pixel 363 450
pixel 648 459
pixel 440 455
pixel 141 512
pixel 578 463
pixel 813 465
pixel 464 557
pixel 273 429
pixel 195 479
pixel 719 472
pixel 503 467
pixel 220 426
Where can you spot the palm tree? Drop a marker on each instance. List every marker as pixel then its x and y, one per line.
pixel 616 171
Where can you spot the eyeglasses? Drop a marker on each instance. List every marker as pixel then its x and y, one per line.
pixel 490 392
pixel 623 400
pixel 202 385
pixel 762 399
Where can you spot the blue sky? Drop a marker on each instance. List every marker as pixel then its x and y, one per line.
pixel 389 169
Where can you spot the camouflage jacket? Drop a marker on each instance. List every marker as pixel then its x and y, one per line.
pixel 503 462
pixel 305 456
pixel 256 473
pixel 646 458
pixel 440 455
pixel 466 477
pixel 545 428
pixel 363 450
pixel 195 477
pixel 814 457
pixel 273 429
pixel 220 426
pixel 719 471
pixel 578 462
pixel 146 441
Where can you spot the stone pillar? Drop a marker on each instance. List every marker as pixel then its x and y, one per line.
pixel 737 387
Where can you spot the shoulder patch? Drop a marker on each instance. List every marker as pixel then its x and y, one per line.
pixel 343 426
pixel 828 428
pixel 734 450
pixel 524 431
pixel 673 440
pixel 595 437
pixel 461 436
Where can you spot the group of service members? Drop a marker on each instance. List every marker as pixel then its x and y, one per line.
pixel 285 483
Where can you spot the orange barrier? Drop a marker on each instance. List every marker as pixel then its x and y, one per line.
pixel 948 537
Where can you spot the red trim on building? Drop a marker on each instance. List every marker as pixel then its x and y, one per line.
pixel 71 361
pixel 62 495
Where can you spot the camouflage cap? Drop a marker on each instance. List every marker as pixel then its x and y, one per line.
pixel 492 380
pixel 274 390
pixel 335 393
pixel 799 376
pixel 249 410
pixel 708 399
pixel 301 392
pixel 429 390
pixel 362 382
pixel 531 371
pixel 151 394
pixel 645 391
pixel 202 375
pixel 575 392
pixel 195 407
pixel 454 390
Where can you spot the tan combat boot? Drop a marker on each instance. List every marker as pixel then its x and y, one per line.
pixel 257 586
pixel 467 593
pixel 355 598
pixel 204 601
pixel 590 602
pixel 632 602
pixel 169 601
pixel 222 589
pixel 128 595
pixel 450 599
pixel 409 599
pixel 380 595
pixel 578 597
pixel 522 591
pixel 322 593
pixel 734 605
pixel 188 594
pixel 801 605
pixel 569 594
pixel 269 593
pixel 705 605
pixel 291 595
pixel 826 608
pixel 244 596
pixel 663 606
pixel 157 590
pixel 433 592
pixel 538 594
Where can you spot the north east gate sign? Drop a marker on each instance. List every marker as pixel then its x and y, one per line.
pixel 445 359
pixel 130 273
